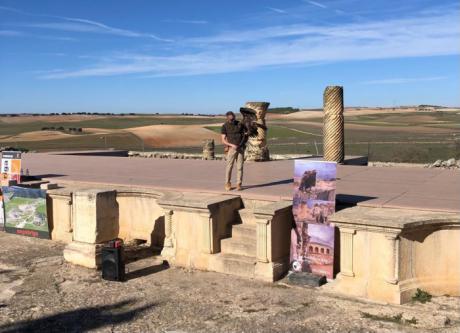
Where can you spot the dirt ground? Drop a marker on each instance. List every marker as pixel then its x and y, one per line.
pixel 174 135
pixel 39 292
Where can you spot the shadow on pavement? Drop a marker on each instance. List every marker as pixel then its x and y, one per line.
pixel 279 182
pixel 147 271
pixel 80 320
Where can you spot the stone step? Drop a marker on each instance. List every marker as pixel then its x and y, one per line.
pixel 233 264
pixel 247 216
pixel 245 247
pixel 244 231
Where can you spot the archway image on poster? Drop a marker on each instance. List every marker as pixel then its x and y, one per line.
pixel 312 240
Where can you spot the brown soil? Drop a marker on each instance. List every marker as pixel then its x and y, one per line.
pixel 174 135
pixel 35 136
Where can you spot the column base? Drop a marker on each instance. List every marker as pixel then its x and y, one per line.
pixel 270 271
pixel 83 254
pixel 169 254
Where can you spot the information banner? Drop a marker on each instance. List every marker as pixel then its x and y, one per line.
pixel 11 166
pixel 25 211
pixel 312 241
pixel 2 214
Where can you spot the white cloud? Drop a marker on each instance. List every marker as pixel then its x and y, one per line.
pixel 186 21
pixel 10 33
pixel 79 25
pixel 317 4
pixel 83 25
pixel 295 44
pixel 403 80
pixel 277 10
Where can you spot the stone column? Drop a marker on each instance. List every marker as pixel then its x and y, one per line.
pixel 257 149
pixel 333 128
pixel 392 262
pixel 346 251
pixel 168 247
pixel 208 149
pixel 262 240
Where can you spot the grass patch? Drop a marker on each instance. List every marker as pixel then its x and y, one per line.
pixel 422 296
pixel 397 319
pixel 392 319
pixel 124 140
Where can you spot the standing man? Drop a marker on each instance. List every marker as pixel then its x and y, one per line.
pixel 232 137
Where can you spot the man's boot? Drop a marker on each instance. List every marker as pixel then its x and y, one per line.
pixel 228 186
pixel 238 187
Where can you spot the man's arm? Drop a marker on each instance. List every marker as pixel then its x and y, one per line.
pixel 223 131
pixel 225 142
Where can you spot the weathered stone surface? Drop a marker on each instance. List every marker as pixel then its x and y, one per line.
pixel 333 127
pixel 208 149
pixel 48 186
pixel 83 254
pixel 257 149
pixel 404 242
pixel 64 298
pixel 95 216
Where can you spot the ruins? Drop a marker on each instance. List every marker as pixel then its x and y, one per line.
pixel 389 228
pixel 333 128
pixel 257 149
pixel 208 149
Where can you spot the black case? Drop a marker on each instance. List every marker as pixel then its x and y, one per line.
pixel 113 266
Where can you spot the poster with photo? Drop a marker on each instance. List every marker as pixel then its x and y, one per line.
pixel 312 241
pixel 2 214
pixel 11 166
pixel 25 211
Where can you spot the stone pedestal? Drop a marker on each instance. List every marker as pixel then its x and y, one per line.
pixel 256 149
pixel 95 220
pixel 208 149
pixel 333 128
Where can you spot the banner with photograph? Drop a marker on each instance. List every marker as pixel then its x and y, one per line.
pixel 11 166
pixel 25 211
pixel 312 241
pixel 2 214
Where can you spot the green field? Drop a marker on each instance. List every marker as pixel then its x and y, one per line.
pixel 418 137
pixel 111 122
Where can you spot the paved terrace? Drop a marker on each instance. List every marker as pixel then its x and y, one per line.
pixel 395 187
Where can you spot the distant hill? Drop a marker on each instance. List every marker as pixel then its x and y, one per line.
pixel 283 110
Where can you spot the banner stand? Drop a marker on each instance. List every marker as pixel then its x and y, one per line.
pixel 313 239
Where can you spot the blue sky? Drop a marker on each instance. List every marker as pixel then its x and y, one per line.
pixel 211 56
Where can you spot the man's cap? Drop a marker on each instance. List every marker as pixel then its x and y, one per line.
pixel 230 113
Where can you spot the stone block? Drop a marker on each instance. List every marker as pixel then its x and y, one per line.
pixel 83 254
pixel 95 216
pixel 48 186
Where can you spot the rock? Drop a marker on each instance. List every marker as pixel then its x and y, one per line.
pixel 450 162
pixel 306 279
pixel 436 164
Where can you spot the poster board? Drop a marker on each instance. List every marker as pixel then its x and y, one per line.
pixel 312 241
pixel 2 214
pixel 25 211
pixel 11 166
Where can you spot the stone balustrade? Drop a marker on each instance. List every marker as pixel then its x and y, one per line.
pixel 386 254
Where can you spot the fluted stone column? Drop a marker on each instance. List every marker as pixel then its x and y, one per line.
pixel 208 149
pixel 257 149
pixel 333 127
